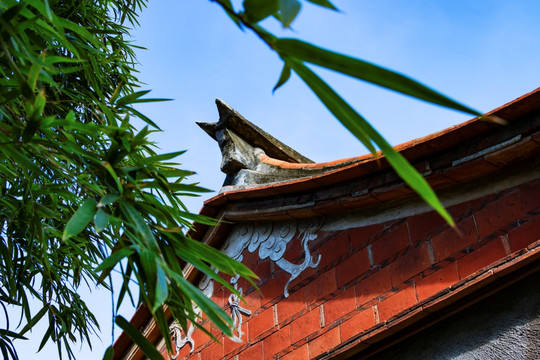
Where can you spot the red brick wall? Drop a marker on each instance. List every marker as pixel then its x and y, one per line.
pixel 369 274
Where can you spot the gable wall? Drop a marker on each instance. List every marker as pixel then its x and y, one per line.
pixel 371 278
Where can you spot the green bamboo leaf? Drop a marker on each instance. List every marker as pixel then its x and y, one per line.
pixel 108 199
pixel 12 11
pixel 162 290
pixel 288 9
pixel 228 7
pixel 360 128
pixel 101 220
pixel 34 320
pixel 141 116
pixel 137 222
pixel 47 335
pixel 336 105
pixel 162 157
pixel 216 314
pixel 257 10
pixel 115 257
pixel 324 3
pixel 80 219
pixel 115 177
pixel 366 71
pixel 149 265
pixel 142 342
pixel 109 353
pixel 130 98
pixel 285 75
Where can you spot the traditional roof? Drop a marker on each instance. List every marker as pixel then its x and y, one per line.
pixel 267 180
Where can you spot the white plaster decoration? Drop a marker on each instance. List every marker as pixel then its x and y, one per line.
pixel 270 240
pixel 180 342
pixel 207 287
pixel 236 315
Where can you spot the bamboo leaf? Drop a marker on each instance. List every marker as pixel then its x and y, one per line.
pixel 162 290
pixel 115 257
pixel 161 157
pixel 101 220
pixel 80 219
pixel 142 342
pixel 257 10
pixel 288 9
pixel 366 71
pixel 285 75
pixel 109 353
pixel 34 320
pixel 324 3
pixel 361 128
pixel 216 314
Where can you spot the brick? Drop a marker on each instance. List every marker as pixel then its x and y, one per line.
pixel 274 287
pixel 340 305
pixel 362 236
pixel 412 263
pixel 250 259
pixel 305 325
pixel 290 306
pixel 525 234
pixel 423 224
pixel 321 286
pixel 294 250
pixel 253 301
pixel 253 352
pixel 481 257
pixel 397 303
pixel 214 351
pixel 373 286
pixel 352 267
pixel 220 297
pixel 466 209
pixel 263 270
pixel 276 342
pixel 200 338
pixel 449 241
pixel 260 323
pixel 306 276
pixel 230 346
pixel 301 353
pixel 530 195
pixel 323 343
pixel 357 324
pixel 333 249
pixel 390 243
pixel 439 280
pixel 498 214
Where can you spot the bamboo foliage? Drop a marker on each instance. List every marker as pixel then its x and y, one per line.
pixel 83 192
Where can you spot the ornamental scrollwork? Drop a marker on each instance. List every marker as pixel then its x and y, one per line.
pixel 270 241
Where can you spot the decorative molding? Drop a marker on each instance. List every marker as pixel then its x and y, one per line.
pixel 236 313
pixel 270 240
pixel 207 287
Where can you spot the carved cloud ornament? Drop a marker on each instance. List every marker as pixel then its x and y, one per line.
pixel 270 241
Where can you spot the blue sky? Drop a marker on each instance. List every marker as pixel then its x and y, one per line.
pixel 483 53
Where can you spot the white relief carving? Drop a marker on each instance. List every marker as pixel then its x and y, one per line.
pixel 207 287
pixel 236 314
pixel 270 240
pixel 180 342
